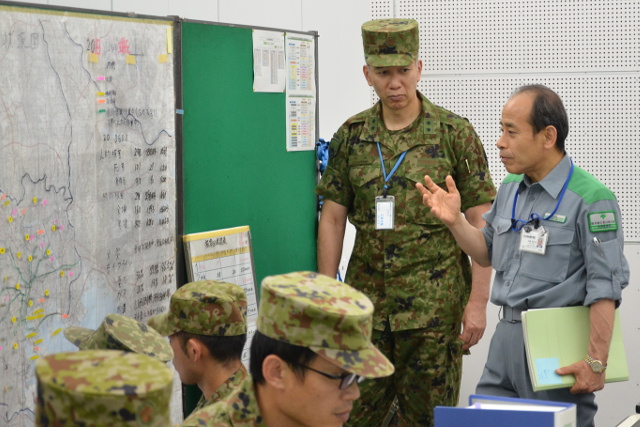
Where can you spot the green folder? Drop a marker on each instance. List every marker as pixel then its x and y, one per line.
pixel 557 337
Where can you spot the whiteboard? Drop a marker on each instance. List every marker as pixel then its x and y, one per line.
pixel 87 183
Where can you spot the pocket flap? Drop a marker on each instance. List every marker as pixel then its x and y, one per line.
pixel 559 236
pixel 362 174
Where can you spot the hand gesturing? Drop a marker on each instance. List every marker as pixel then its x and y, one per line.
pixel 444 205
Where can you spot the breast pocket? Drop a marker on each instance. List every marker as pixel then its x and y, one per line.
pixel 414 210
pixel 554 264
pixel 364 181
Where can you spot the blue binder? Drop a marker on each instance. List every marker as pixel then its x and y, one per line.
pixel 483 412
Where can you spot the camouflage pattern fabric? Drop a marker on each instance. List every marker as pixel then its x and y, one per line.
pixel 94 388
pixel 428 366
pixel 205 307
pixel 391 42
pixel 233 382
pixel 325 315
pixel 415 275
pixel 239 409
pixel 118 332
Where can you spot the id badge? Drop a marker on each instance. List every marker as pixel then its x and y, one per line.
pixel 534 240
pixel 385 212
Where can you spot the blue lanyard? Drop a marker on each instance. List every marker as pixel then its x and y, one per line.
pixel 384 171
pixel 534 217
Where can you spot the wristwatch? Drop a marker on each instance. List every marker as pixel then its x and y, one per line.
pixel 597 366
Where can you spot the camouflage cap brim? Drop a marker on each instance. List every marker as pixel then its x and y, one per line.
pixel 327 316
pixel 391 60
pixel 77 336
pixel 368 363
pixel 118 332
pixel 163 325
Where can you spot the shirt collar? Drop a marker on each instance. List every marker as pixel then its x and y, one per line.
pixel 374 126
pixel 226 388
pixel 554 181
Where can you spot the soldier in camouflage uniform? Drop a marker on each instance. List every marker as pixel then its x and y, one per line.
pixel 103 388
pixel 206 325
pixel 405 259
pixel 311 349
pixel 118 332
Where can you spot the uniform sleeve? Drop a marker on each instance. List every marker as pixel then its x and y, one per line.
pixel 603 249
pixel 335 184
pixel 473 178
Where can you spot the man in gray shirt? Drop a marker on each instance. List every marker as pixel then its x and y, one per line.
pixel 554 237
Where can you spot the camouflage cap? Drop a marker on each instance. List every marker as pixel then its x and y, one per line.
pixel 327 316
pixel 103 388
pixel 206 307
pixel 118 332
pixel 390 42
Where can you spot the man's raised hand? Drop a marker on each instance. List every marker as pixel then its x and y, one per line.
pixel 444 205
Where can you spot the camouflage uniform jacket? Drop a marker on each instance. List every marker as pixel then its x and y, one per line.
pixel 233 382
pixel 415 275
pixel 239 409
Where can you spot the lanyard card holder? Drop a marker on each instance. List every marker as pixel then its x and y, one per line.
pixel 534 240
pixel 385 212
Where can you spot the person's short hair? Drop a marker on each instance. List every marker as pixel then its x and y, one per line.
pixel 223 349
pixel 547 110
pixel 293 355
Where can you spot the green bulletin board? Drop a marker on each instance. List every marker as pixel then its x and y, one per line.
pixel 236 170
pixel 235 167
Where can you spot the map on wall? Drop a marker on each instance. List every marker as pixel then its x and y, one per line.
pixel 87 182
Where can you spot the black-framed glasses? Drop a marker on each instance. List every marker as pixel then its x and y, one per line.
pixel 346 379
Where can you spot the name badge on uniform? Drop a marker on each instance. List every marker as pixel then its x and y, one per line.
pixel 385 211
pixel 533 239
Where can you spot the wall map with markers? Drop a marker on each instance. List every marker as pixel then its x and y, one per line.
pixel 87 183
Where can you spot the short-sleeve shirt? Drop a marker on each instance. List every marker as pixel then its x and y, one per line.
pixel 583 260
pixel 233 382
pixel 415 274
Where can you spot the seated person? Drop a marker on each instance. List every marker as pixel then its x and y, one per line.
pixel 311 349
pixel 206 325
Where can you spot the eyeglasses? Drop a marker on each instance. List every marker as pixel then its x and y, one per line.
pixel 346 379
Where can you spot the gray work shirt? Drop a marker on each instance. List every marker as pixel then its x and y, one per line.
pixel 575 269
